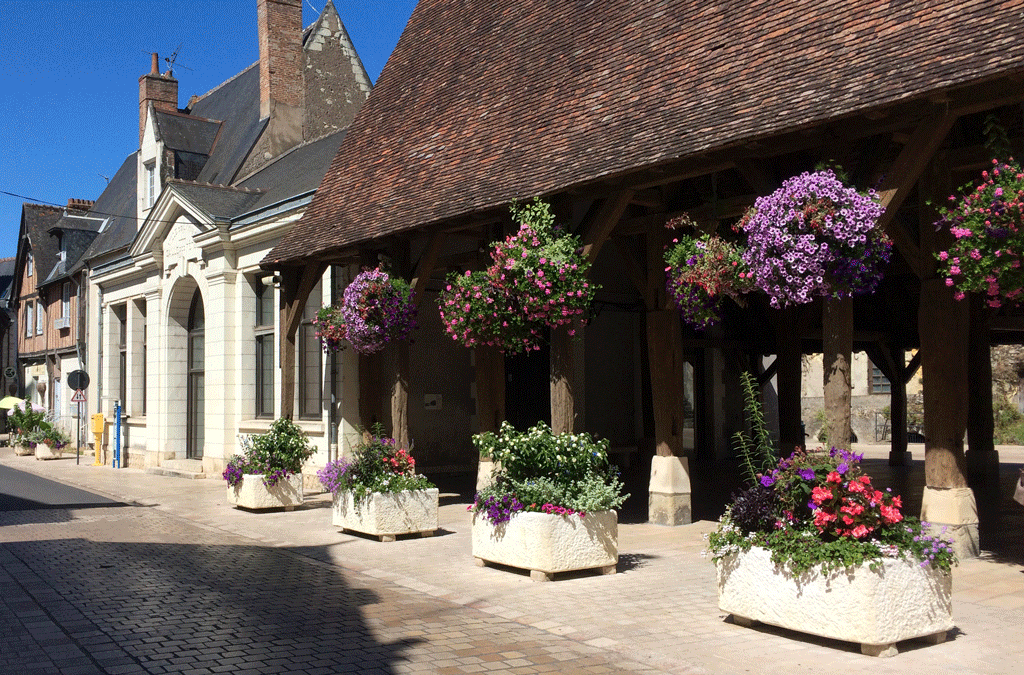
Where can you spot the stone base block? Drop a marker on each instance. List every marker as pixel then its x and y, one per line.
pixel 669 498
pixel 955 511
pixel 44 451
pixel 899 601
pixel 666 509
pixel 386 515
pixel 546 543
pixel 485 473
pixel 251 493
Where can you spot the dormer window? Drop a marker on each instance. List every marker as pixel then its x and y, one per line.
pixel 150 183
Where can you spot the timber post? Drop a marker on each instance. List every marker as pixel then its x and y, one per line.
pixel 788 376
pixel 669 497
pixel 296 285
pixel 943 328
pixel 837 348
pixel 982 457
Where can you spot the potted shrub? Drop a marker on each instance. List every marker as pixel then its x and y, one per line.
pixel 378 491
pixel 376 308
pixel 49 442
pixel 701 270
pixel 268 473
pixel 987 222
pixel 537 280
pixel 810 545
pixel 551 505
pixel 24 419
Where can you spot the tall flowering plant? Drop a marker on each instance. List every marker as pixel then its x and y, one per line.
pixel 376 308
pixel 987 221
pixel 815 237
pixel 701 270
pixel 537 279
pixel 274 455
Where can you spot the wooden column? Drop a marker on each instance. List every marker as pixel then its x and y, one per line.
pixel 665 355
pixel 296 285
pixel 490 388
pixel 982 458
pixel 563 414
pixel 396 366
pixel 371 395
pixel 837 346
pixel 788 375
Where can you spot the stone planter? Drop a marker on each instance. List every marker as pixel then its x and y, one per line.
pixel 546 544
pixel 251 493
pixel 44 451
pixel 877 609
pixel 24 450
pixel 387 515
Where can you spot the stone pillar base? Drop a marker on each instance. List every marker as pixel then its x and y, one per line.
pixel 956 510
pixel 900 458
pixel 669 497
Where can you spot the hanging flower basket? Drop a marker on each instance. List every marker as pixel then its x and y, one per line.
pixel 537 280
pixel 701 270
pixel 376 309
pixel 988 223
pixel 815 237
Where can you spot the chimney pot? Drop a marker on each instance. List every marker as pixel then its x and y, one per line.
pixel 155 70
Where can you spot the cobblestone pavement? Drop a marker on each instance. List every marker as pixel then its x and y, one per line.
pixel 181 575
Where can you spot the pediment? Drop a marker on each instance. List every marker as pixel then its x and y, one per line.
pixel 172 220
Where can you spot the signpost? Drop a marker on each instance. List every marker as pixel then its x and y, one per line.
pixel 79 381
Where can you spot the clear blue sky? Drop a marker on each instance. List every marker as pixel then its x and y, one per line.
pixel 69 70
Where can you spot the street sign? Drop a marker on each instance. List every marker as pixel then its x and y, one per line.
pixel 78 396
pixel 9 372
pixel 78 379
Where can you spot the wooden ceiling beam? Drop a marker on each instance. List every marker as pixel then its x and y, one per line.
pixel 597 231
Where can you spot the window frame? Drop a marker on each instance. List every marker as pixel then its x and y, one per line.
pixel 150 171
pixel 29 319
pixel 884 386
pixel 310 353
pixel 263 338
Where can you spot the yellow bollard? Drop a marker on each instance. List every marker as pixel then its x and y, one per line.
pixel 97 430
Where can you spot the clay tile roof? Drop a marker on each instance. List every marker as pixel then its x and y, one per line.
pixel 482 101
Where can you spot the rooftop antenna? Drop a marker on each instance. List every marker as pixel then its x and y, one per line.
pixel 104 178
pixel 173 58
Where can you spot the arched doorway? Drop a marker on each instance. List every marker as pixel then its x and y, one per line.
pixel 196 377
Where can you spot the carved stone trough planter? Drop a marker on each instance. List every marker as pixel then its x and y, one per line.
pixel 546 544
pixel 251 493
pixel 899 601
pixel 386 515
pixel 44 451
pixel 24 450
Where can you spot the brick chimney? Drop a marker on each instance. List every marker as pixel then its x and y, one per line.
pixel 160 90
pixel 281 88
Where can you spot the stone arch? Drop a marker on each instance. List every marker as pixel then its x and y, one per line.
pixel 179 305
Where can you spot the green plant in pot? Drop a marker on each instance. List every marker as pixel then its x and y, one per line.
pixel 275 455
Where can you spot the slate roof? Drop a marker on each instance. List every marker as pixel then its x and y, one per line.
pixel 482 102
pixel 36 221
pixel 294 173
pixel 186 133
pixel 236 103
pixel 6 280
pixel 78 234
pixel 117 204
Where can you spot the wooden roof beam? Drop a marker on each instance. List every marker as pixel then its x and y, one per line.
pixel 904 173
pixel 597 231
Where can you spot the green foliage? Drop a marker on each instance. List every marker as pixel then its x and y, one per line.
pixel 1008 423
pixel 541 471
pixel 285 446
pixel 379 465
pixel 758 452
pixel 26 417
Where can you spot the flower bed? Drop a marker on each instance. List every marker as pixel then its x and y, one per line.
pixel 387 514
pixel 898 600
pixel 379 492
pixel 547 543
pixel 550 505
pixel 252 492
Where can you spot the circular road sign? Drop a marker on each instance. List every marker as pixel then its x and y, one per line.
pixel 78 379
